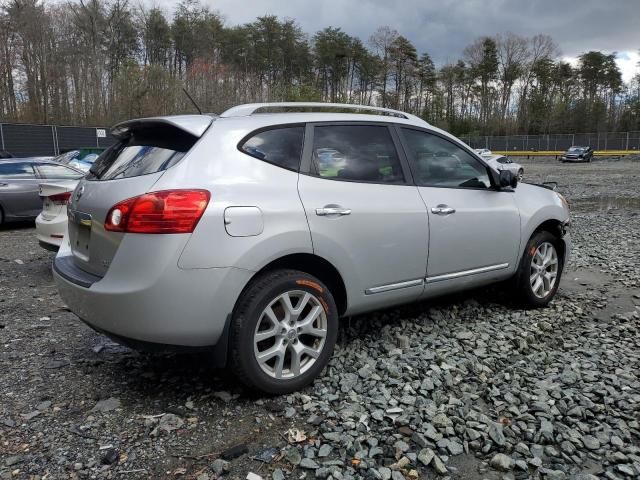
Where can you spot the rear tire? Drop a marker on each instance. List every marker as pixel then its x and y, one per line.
pixel 540 270
pixel 283 331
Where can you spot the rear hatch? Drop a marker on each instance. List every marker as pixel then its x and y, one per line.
pixel 55 197
pixel 144 150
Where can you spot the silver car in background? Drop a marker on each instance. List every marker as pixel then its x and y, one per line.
pixel 20 180
pixel 251 234
pixel 501 162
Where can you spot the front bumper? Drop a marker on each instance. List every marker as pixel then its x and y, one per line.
pixel 566 238
pixel 154 303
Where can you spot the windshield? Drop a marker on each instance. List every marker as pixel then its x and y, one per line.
pixel 576 149
pixel 66 157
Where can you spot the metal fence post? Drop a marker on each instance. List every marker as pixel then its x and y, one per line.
pixel 627 144
pixel 57 141
pixel 1 137
pixel 53 139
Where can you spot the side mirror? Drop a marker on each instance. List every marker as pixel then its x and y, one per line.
pixel 507 179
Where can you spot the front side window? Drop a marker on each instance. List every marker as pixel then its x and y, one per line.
pixel 57 171
pixel 364 153
pixel 441 163
pixel 280 146
pixel 16 170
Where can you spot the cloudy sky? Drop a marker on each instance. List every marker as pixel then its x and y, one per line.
pixel 444 27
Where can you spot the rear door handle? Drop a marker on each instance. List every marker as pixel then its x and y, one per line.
pixel 338 211
pixel 443 210
pixel 3 184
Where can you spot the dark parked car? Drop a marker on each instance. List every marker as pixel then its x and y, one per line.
pixel 19 185
pixel 577 154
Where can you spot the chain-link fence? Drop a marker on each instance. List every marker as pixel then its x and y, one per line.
pixel 557 141
pixel 23 140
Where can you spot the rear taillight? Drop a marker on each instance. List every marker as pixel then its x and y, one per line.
pixel 60 198
pixel 167 211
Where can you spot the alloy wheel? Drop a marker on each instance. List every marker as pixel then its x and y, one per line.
pixel 290 334
pixel 544 270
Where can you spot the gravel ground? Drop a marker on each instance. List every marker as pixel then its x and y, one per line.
pixel 466 387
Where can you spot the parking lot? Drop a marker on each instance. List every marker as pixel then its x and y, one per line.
pixel 469 386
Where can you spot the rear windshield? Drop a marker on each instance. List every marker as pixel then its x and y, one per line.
pixel 143 151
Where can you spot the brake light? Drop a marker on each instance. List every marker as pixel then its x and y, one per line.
pixel 167 211
pixel 60 198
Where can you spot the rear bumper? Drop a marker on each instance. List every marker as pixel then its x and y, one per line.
pixel 46 228
pixel 167 306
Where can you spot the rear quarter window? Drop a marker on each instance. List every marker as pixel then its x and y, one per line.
pixel 281 146
pixel 143 151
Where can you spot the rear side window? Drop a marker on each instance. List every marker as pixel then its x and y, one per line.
pixel 280 146
pixel 362 153
pixel 143 151
pixel 58 171
pixel 16 170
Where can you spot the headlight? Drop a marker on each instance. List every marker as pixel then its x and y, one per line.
pixel 563 200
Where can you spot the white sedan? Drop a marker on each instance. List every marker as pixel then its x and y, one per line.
pixel 51 224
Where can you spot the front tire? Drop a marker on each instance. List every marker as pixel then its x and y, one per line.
pixel 520 175
pixel 282 332
pixel 540 270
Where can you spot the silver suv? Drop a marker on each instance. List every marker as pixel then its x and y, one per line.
pixel 253 232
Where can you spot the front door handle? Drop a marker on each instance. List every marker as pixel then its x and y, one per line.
pixel 3 184
pixel 338 211
pixel 443 210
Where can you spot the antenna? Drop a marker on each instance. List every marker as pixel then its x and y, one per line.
pixel 192 100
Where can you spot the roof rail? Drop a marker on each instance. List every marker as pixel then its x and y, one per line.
pixel 251 108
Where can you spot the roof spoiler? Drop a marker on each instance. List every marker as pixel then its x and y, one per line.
pixel 194 125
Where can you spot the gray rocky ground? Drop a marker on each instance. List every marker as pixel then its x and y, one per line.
pixel 465 387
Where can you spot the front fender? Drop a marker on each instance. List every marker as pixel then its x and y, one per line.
pixel 538 205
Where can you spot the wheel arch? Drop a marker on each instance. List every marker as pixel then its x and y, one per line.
pixel 556 228
pixel 313 265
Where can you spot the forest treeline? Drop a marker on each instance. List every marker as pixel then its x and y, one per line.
pixel 94 62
